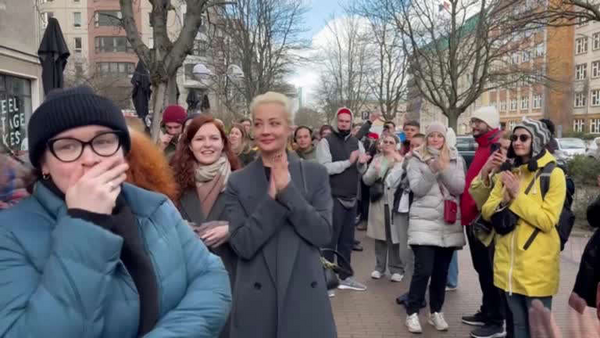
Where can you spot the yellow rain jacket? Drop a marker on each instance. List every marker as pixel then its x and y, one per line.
pixel 535 271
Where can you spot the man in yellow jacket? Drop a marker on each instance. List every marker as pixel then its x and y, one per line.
pixel 526 266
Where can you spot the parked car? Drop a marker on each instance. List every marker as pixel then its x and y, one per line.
pixel 593 149
pixel 568 147
pixel 466 147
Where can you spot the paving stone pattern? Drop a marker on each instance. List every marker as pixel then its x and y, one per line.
pixel 375 314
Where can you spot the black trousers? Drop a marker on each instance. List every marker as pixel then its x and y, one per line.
pixel 343 234
pixel 493 304
pixel 430 262
pixel 364 202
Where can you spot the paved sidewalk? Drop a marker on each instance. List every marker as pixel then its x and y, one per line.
pixel 375 314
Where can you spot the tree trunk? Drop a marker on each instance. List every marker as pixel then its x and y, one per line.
pixel 453 115
pixel 164 94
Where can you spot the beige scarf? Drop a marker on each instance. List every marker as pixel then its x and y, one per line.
pixel 211 180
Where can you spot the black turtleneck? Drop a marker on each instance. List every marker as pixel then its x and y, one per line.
pixel 122 222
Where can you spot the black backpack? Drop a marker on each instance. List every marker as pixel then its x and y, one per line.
pixel 566 219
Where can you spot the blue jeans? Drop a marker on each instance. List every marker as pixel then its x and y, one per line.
pixel 453 271
pixel 519 306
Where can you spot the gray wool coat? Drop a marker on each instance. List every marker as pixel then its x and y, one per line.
pixel 280 289
pixel 426 224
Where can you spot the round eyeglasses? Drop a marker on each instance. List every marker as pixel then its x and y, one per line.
pixel 68 149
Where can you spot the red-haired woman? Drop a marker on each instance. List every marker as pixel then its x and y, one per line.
pixel 202 165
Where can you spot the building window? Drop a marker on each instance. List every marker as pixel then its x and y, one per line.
pixel 150 23
pixel 526 56
pixel 537 101
pixel 524 102
pixel 513 104
pixel 595 98
pixel 15 108
pixel 76 1
pixel 512 125
pixel 515 59
pixel 581 71
pixel 595 69
pixel 539 50
pixel 112 44
pixel 578 125
pixel 77 19
pixel 596 41
pixel 47 16
pixel 595 126
pixel 581 45
pixel 107 18
pixel 78 45
pixel 78 69
pixel 502 105
pixel 115 67
pixel 580 100
pixel 200 48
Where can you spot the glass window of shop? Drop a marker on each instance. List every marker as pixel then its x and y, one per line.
pixel 15 110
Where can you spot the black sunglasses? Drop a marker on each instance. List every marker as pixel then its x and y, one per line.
pixel 68 149
pixel 524 138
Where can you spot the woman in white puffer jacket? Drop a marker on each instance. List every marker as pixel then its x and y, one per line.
pixel 435 173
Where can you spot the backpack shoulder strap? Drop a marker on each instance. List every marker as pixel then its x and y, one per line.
pixel 545 178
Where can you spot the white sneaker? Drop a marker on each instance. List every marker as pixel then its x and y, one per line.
pixel 437 320
pixel 331 293
pixel 396 277
pixel 413 324
pixel 376 274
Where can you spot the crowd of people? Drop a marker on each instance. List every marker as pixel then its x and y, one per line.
pixel 225 231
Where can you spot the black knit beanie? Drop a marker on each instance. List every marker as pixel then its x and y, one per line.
pixel 64 109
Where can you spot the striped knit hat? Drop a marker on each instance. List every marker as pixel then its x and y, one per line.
pixel 539 133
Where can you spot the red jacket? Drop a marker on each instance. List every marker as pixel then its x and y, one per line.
pixel 468 208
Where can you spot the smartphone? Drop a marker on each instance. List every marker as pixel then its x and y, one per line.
pixel 495 147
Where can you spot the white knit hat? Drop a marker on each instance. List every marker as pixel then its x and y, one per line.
pixel 489 115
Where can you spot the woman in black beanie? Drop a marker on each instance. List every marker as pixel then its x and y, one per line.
pixel 90 256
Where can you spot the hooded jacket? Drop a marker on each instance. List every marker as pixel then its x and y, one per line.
pixel 468 207
pixel 532 271
pixel 61 276
pixel 426 222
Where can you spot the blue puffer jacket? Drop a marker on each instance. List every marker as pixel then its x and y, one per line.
pixel 62 276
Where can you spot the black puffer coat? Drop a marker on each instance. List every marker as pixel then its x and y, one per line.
pixel 588 276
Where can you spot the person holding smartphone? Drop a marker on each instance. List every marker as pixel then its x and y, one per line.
pixel 88 255
pixel 527 217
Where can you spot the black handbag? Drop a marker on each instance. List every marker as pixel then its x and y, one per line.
pixel 331 270
pixel 504 221
pixel 376 190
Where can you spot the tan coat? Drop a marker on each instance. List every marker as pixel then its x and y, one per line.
pixel 376 221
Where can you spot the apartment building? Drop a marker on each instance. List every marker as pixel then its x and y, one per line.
pixel 542 62
pixel 21 89
pixel 586 80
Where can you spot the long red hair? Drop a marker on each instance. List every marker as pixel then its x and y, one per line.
pixel 183 161
pixel 148 167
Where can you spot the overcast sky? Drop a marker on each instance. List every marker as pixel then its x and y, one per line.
pixel 320 11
